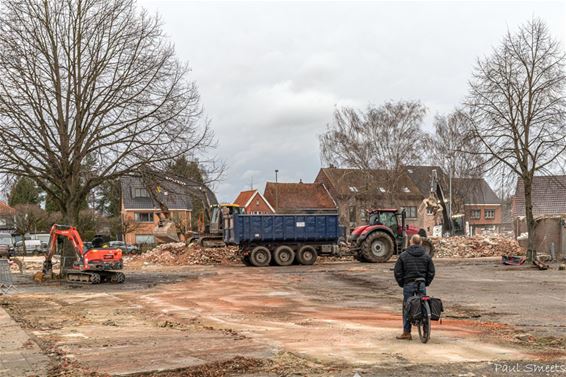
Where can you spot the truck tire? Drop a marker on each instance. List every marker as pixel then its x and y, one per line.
pixel 283 256
pixel 260 256
pixel 429 247
pixel 378 247
pixel 306 255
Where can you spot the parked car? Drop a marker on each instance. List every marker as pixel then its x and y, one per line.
pixel 7 242
pixel 126 249
pixel 34 247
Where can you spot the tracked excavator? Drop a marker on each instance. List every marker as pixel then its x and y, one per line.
pixel 93 266
pixel 210 220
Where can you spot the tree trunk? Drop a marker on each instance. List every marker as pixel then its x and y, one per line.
pixel 70 217
pixel 531 251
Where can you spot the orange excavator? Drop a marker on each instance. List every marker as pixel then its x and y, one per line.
pixel 95 265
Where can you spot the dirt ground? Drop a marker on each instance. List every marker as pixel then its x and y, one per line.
pixel 330 319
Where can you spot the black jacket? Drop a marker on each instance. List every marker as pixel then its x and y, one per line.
pixel 414 263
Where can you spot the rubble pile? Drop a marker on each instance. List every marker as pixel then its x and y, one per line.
pixel 180 254
pixel 476 246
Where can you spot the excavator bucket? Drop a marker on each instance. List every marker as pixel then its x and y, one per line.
pixel 166 231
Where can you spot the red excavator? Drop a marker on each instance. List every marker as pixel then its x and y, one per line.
pixel 95 265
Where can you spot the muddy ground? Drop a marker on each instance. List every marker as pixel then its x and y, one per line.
pixel 330 319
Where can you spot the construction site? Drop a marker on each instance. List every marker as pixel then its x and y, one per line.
pixel 203 313
pixel 282 188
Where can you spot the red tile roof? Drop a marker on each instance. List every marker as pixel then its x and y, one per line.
pixel 298 196
pixel 244 197
pixel 548 193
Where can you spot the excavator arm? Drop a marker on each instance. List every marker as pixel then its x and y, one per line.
pixel 166 228
pixel 68 232
pixel 436 201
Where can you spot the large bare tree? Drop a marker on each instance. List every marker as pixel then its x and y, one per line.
pixel 90 90
pixel 518 103
pixel 380 141
pixel 453 147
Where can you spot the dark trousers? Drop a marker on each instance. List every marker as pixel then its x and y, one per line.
pixel 409 289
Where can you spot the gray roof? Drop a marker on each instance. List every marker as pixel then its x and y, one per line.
pixel 174 193
pixel 548 196
pixel 474 191
pixel 422 176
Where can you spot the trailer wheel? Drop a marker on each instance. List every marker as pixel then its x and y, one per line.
pixel 283 256
pixel 377 248
pixel 306 255
pixel 260 256
pixel 429 247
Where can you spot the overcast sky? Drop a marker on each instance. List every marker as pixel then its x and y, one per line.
pixel 271 74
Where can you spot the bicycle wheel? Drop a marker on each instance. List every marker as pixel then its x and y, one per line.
pixel 424 324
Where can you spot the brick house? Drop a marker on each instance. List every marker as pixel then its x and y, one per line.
pixel 253 202
pixel 7 214
pixel 480 205
pixel 140 213
pixel 356 191
pixel 299 197
pixel 549 210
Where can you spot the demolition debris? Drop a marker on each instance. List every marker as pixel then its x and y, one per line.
pixel 476 246
pixel 180 254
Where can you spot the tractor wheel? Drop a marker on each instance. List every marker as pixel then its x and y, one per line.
pixel 306 255
pixel 260 256
pixel 429 247
pixel 378 248
pixel 283 256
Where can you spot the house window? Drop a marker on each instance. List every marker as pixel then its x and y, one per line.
pixel 429 211
pixel 145 239
pixel 3 222
pixel 381 189
pixel 489 214
pixel 476 214
pixel 353 189
pixel 406 190
pixel 140 192
pixel 411 212
pixel 143 217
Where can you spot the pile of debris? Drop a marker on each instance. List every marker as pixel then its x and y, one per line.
pixel 180 254
pixel 476 246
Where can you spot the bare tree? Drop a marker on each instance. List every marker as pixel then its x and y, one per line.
pixel 453 148
pixel 90 90
pixel 518 103
pixel 380 141
pixel 29 218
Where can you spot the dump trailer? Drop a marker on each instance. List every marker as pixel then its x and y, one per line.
pixel 283 239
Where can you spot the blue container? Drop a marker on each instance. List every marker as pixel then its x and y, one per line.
pixel 301 228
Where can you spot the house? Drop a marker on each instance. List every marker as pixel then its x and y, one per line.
pixel 7 213
pixel 299 197
pixel 253 202
pixel 355 191
pixel 480 205
pixel 549 210
pixel 141 213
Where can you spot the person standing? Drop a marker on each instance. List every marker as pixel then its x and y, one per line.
pixel 412 264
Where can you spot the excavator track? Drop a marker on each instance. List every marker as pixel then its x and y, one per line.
pixel 211 242
pixel 87 277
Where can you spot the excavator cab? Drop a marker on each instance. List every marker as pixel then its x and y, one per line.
pixel 218 213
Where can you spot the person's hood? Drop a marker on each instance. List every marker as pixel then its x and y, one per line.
pixel 416 251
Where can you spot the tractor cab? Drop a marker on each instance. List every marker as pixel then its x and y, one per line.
pixel 391 218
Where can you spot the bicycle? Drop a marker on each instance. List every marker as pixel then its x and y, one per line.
pixel 423 323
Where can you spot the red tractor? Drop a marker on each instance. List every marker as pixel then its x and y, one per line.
pixel 385 235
